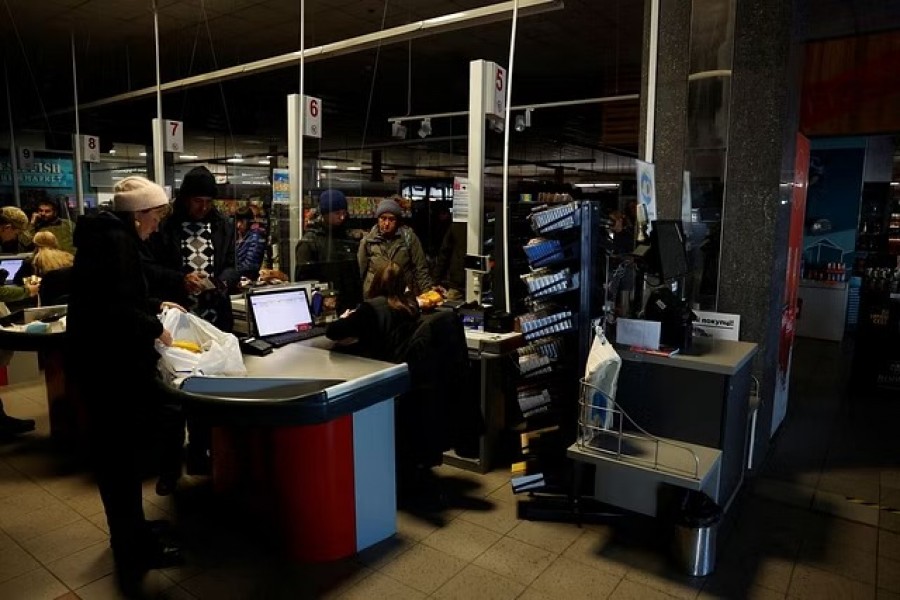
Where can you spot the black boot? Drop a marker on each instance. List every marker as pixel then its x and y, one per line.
pixel 10 426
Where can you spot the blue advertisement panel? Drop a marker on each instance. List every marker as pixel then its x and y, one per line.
pixel 47 172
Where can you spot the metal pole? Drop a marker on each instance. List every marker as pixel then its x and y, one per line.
pixel 79 175
pixel 504 240
pixel 13 153
pixel 295 168
pixel 476 175
pixel 159 167
pixel 651 81
pixel 296 108
pixel 558 104
pixel 297 211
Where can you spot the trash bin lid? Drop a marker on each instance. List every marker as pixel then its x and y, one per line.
pixel 699 510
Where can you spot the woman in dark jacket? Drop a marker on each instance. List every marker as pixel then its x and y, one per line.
pixel 381 326
pixel 112 325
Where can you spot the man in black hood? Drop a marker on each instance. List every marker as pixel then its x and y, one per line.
pixel 192 263
pixel 193 253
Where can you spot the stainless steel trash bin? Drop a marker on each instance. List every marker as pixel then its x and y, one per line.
pixel 695 535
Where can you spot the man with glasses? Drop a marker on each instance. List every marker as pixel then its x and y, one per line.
pixel 390 241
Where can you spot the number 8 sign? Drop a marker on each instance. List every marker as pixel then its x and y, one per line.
pixel 312 117
pixel 90 148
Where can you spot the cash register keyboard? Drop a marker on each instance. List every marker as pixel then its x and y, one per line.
pixel 288 337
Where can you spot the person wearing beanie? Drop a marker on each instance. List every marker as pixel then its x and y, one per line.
pixel 14 238
pixel 110 358
pixel 249 244
pixel 327 251
pixel 195 244
pixel 46 217
pixel 389 241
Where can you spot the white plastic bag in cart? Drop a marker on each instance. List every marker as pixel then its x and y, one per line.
pixel 598 390
pixel 221 352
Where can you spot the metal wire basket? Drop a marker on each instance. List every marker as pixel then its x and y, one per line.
pixel 604 428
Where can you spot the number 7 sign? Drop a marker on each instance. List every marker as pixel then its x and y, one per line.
pixel 173 132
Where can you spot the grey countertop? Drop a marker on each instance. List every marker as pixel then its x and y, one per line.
pixel 725 357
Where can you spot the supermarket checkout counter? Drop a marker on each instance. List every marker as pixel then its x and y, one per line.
pixel 309 433
pixel 65 417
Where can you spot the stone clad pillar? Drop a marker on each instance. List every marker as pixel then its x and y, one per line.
pixel 727 101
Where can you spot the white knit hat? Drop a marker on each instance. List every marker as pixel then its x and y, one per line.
pixel 134 194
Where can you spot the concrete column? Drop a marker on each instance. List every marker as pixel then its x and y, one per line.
pixel 753 131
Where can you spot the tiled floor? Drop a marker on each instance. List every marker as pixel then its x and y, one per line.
pixel 810 526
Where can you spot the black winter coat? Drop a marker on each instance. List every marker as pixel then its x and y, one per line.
pixel 111 322
pixel 383 332
pixel 165 268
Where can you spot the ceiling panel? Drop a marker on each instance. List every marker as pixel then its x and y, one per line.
pixel 592 47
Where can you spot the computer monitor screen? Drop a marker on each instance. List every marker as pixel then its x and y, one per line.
pixel 11 266
pixel 668 255
pixel 280 311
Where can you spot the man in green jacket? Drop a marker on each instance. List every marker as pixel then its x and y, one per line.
pixel 46 218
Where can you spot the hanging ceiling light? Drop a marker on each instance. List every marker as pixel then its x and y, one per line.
pixel 425 127
pixel 523 121
pixel 398 130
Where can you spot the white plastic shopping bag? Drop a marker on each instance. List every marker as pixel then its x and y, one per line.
pixel 601 375
pixel 220 355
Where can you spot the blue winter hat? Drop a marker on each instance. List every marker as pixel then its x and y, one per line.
pixel 332 200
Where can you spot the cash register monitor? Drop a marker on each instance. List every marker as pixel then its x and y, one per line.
pixel 667 257
pixel 11 266
pixel 282 316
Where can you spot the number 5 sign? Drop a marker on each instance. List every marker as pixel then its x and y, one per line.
pixel 174 135
pixel 495 90
pixel 90 148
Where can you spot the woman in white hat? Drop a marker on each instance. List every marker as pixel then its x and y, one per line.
pixel 112 325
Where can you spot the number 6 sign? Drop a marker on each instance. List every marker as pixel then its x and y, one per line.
pixel 312 117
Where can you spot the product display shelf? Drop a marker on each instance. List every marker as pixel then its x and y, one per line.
pixel 561 297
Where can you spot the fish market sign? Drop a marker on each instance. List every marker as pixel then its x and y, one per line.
pixel 45 173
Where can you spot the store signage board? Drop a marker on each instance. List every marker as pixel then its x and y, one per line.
pixel 495 90
pixel 719 326
pixel 646 183
pixel 460 199
pixel 90 148
pixel 312 117
pixel 45 172
pixel 281 186
pixel 26 158
pixel 173 133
